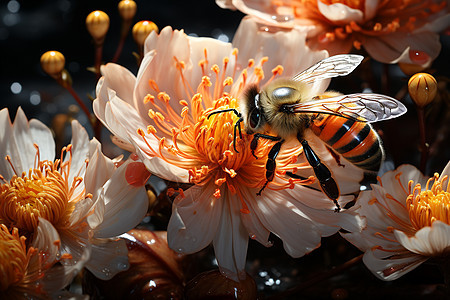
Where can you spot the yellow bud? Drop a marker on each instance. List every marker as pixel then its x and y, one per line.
pixel 52 62
pixel 127 9
pixel 97 23
pixel 142 29
pixel 422 88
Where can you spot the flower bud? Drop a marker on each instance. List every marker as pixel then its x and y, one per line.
pixel 213 285
pixel 52 62
pixel 142 29
pixel 422 88
pixel 127 9
pixel 97 23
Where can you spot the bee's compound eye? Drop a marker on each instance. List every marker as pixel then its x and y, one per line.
pixel 255 116
pixel 283 93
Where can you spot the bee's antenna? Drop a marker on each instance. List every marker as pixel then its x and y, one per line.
pixel 236 125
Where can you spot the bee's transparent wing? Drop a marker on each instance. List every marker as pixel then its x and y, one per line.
pixel 361 107
pixel 338 65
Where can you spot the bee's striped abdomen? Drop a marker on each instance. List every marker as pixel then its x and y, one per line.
pixel 355 141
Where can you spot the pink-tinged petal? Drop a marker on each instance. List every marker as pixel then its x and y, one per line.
pixel 255 43
pixel 125 205
pixel 42 135
pixel 394 48
pixel 263 10
pixel 391 268
pixel 340 13
pixel 231 239
pixel 370 10
pixel 167 45
pixel 108 258
pixel 119 79
pixel 195 219
pixel 428 241
pixel 127 121
pixel 216 51
pixel 163 169
pixel 299 234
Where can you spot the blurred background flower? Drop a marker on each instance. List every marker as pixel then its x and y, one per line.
pixel 389 31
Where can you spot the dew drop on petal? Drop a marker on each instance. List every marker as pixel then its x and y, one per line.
pixel 134 156
pixel 137 174
pixel 419 57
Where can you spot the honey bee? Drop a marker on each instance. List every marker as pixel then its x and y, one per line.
pixel 290 106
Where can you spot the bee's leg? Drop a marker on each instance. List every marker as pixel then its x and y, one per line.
pixel 237 125
pixel 256 136
pixel 323 174
pixel 271 164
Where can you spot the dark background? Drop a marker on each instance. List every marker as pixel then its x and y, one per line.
pixel 43 25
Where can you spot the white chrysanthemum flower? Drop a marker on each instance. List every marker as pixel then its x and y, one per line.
pixel 84 194
pixel 408 221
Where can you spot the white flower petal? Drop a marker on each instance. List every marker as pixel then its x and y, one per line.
pixel 109 257
pixel 43 136
pixel 231 239
pixel 45 240
pixel 391 268
pixel 195 219
pixel 340 13
pixel 8 146
pixel 120 79
pixel 24 141
pixel 125 205
pixel 255 228
pixel 394 48
pixel 428 241
pixel 80 152
pixel 59 277
pixel 98 171
pixel 299 234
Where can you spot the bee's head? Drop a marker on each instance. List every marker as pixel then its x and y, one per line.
pixel 252 110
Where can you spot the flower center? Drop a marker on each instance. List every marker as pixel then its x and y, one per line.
pixel 204 143
pixel 430 205
pixel 43 192
pixel 13 258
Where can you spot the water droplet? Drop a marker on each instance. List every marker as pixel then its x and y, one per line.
pixel 253 236
pixel 137 174
pixel 134 156
pixel 106 271
pixel 285 18
pixel 180 250
pixel 122 266
pixel 419 57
